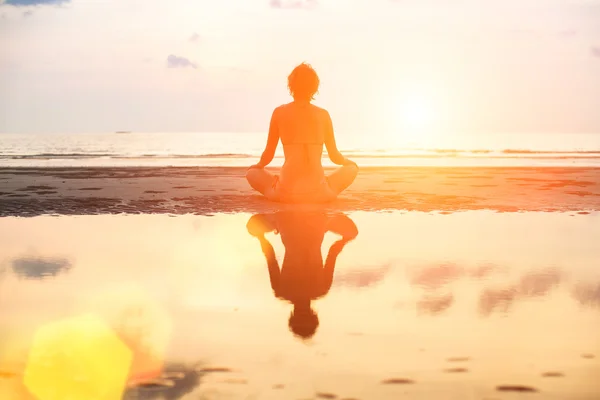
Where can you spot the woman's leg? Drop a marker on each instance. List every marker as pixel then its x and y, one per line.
pixel 342 177
pixel 261 180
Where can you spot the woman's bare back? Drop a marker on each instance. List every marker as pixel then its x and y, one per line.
pixel 302 128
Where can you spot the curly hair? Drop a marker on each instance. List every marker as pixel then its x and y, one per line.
pixel 303 82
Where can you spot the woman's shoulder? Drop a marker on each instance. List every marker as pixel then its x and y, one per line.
pixel 290 108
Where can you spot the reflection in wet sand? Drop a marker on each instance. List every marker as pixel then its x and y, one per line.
pixel 587 294
pixel 193 302
pixel 303 276
pixel 40 268
pixel 174 384
pixel 437 276
pixel 359 278
pixel 539 283
pixel 532 285
pixel 433 305
pixel 496 300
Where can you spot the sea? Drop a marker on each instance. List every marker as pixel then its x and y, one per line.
pixel 244 148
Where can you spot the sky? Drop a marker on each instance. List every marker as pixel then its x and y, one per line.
pixel 523 66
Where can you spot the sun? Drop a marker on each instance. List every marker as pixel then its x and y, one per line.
pixel 416 113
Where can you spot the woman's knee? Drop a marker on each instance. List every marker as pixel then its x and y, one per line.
pixel 251 174
pixel 260 179
pixel 254 176
pixel 351 170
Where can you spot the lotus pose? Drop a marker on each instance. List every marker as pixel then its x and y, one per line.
pixel 303 276
pixel 303 129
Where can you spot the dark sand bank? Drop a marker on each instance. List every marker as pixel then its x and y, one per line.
pixel 207 190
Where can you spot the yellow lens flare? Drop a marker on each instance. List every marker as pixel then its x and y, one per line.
pixel 141 322
pixel 77 358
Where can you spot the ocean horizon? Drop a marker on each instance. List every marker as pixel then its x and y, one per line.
pixel 244 148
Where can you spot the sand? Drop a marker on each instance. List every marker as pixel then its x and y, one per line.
pixel 471 305
pixel 209 190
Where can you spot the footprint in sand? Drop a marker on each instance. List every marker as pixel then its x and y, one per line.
pixel 90 189
pixel 154 191
pixel 553 374
pixel 456 370
pixel 214 369
pixel 458 359
pixel 326 396
pixel 516 388
pixel 588 356
pixel 398 381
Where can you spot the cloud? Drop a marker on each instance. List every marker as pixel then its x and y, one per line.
pixel 174 61
pixel 25 3
pixel 39 268
pixel 596 51
pixel 194 38
pixel 293 4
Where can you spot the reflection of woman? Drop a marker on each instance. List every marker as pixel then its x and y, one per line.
pixel 303 277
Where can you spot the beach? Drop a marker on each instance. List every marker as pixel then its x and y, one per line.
pixel 140 261
pixel 454 282
pixel 210 190
pixel 472 304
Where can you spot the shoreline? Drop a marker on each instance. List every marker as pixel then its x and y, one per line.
pixel 31 191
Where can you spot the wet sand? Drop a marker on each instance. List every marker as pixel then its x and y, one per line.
pixel 471 305
pixel 209 190
pixel 498 301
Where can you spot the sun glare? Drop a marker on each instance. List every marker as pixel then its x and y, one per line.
pixel 416 114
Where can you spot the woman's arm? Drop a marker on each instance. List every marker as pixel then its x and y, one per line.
pixel 272 141
pixel 329 267
pixel 257 226
pixel 334 154
pixel 272 264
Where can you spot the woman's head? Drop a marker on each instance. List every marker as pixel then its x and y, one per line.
pixel 303 322
pixel 303 82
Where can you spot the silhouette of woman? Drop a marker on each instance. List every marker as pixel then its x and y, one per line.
pixel 303 129
pixel 303 277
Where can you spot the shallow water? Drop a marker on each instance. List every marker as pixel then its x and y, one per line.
pixel 468 305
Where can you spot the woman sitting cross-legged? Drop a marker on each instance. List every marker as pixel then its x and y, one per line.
pixel 303 129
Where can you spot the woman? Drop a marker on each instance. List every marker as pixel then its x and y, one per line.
pixel 303 129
